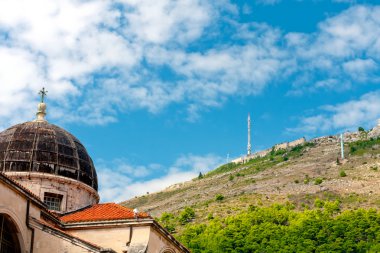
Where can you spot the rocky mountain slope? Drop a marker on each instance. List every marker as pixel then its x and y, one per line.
pixel 298 176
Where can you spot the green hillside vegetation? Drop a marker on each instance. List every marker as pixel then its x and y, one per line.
pixel 302 199
pixel 261 163
pixel 370 146
pixel 280 228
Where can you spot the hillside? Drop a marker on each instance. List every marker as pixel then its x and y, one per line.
pixel 297 175
pixel 299 191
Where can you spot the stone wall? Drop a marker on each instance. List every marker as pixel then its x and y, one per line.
pixel 348 137
pixel 325 140
pixel 375 132
pixel 283 145
pixel 287 145
pixel 262 153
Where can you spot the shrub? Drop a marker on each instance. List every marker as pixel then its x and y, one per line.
pixel 168 221
pixel 318 181
pixel 361 129
pixel 231 178
pixel 251 208
pixel 219 197
pixel 277 229
pixel 306 180
pixel 186 215
pixel 296 181
pixel 363 146
pixel 342 173
pixel 318 203
pixel 332 207
pixel 285 158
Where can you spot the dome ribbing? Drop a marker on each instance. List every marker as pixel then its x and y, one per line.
pixel 42 147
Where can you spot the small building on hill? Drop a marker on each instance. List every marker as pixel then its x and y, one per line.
pixel 49 199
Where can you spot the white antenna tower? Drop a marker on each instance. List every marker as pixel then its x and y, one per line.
pixel 228 157
pixel 342 146
pixel 249 136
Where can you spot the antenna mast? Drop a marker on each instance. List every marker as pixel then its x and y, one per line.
pixel 342 146
pixel 249 136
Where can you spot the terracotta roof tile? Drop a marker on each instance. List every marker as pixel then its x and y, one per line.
pixel 102 212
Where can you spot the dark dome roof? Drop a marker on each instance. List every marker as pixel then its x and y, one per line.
pixel 46 148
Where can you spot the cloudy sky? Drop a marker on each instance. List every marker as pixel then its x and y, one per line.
pixel 160 90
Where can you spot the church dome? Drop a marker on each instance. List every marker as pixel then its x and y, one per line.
pixel 41 147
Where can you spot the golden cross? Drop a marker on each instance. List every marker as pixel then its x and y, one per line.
pixel 43 94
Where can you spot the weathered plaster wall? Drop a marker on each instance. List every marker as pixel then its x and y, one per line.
pixel 14 205
pixel 117 238
pixel 111 237
pixel 75 194
pixel 160 244
pixel 50 243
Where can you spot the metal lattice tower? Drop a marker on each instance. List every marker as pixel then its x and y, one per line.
pixel 249 136
pixel 342 146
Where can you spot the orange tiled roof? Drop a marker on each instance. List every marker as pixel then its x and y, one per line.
pixel 102 212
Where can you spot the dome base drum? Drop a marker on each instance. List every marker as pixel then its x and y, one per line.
pixel 36 153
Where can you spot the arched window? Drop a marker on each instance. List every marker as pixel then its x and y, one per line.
pixel 8 236
pixel 167 250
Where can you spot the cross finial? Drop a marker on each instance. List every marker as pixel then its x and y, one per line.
pixel 43 94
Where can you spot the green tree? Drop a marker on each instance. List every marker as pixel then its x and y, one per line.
pixel 280 229
pixel 167 220
pixel 186 215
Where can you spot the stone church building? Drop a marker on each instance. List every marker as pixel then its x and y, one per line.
pixel 49 200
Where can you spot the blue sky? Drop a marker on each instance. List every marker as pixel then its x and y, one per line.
pixel 160 90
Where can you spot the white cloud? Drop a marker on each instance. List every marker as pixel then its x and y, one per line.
pixel 99 58
pixel 345 48
pixel 120 181
pixel 350 32
pixel 66 43
pixel 345 116
pixel 161 21
pixel 268 2
pixel 361 69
